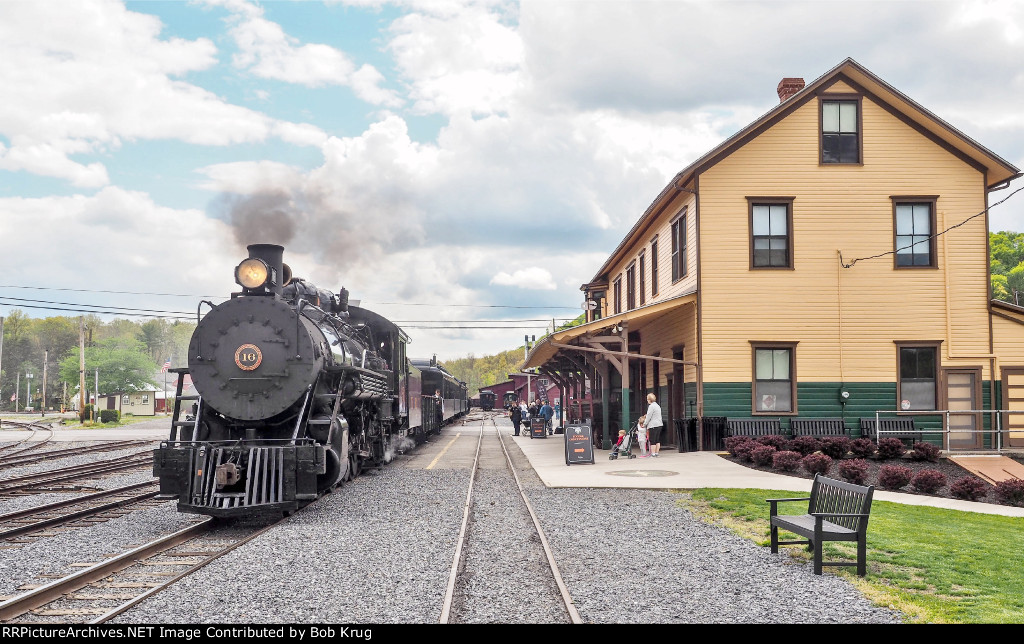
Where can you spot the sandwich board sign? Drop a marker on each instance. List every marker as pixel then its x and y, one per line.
pixel 579 443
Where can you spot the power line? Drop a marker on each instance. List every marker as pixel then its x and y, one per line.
pixel 892 252
pixel 224 297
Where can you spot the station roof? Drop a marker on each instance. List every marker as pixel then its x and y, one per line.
pixel 545 349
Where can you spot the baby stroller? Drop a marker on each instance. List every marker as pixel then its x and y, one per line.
pixel 624 448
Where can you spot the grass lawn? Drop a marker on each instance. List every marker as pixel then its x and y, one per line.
pixel 935 565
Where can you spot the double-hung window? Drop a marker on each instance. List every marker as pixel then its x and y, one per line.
pixel 918 382
pixel 771 236
pixel 914 227
pixel 774 386
pixel 617 294
pixel 654 267
pixel 840 131
pixel 679 247
pixel 643 279
pixel 631 287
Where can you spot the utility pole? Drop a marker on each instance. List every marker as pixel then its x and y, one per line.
pixel 17 391
pixel 81 364
pixel 46 358
pixel 97 394
pixel 1 351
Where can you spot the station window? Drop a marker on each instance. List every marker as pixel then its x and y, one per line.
pixel 654 267
pixel 643 280
pixel 771 236
pixel 617 295
pixel 840 131
pixel 774 382
pixel 918 376
pixel 679 247
pixel 914 227
pixel 631 287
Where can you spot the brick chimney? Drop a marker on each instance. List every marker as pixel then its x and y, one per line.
pixel 789 86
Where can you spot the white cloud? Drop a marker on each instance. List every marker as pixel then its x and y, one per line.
pixel 268 52
pixel 533 279
pixel 94 75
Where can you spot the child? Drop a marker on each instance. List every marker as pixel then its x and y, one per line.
pixel 616 451
pixel 641 437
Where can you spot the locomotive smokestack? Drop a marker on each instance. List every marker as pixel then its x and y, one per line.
pixel 273 255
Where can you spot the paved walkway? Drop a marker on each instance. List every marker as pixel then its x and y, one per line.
pixel 670 470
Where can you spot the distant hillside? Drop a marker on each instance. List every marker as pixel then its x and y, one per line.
pixel 480 373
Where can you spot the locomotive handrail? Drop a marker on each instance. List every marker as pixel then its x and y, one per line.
pixel 199 327
pixel 305 406
pixel 298 322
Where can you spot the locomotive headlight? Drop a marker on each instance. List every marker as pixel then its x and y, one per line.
pixel 252 273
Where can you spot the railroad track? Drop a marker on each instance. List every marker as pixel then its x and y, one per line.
pixel 16 460
pixel 530 543
pixel 43 481
pixel 7 451
pixel 24 526
pixel 105 589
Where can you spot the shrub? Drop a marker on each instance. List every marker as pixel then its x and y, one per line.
pixel 777 441
pixel 890 448
pixel 854 470
pixel 762 455
pixel 928 481
pixel 816 463
pixel 1010 492
pixel 786 460
pixel 969 488
pixel 86 413
pixel 862 447
pixel 109 415
pixel 835 447
pixel 732 442
pixel 805 445
pixel 925 452
pixel 744 450
pixel 893 477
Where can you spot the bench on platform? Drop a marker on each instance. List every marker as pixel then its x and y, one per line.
pixel 901 427
pixel 752 427
pixel 818 427
pixel 836 511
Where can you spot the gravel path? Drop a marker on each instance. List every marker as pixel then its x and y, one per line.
pixel 379 550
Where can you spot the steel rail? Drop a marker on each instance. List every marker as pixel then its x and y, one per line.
pixel 449 594
pixel 60 587
pixel 77 514
pixel 563 590
pixel 12 460
pixel 8 486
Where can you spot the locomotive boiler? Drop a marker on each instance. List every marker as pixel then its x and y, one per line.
pixel 297 392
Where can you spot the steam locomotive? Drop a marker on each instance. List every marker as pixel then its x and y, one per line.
pixel 297 392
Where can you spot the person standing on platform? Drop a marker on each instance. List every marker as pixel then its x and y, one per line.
pixel 516 414
pixel 641 437
pixel 654 424
pixel 547 412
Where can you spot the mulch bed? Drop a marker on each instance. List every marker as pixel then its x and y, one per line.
pixel 951 470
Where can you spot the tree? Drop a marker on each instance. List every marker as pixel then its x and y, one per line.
pixel 123 366
pixel 153 334
pixel 1006 264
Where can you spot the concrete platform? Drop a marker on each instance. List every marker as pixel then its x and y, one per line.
pixel 688 470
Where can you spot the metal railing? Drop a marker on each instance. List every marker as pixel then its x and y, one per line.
pixel 995 429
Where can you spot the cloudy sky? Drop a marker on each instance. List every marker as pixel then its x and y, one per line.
pixel 451 163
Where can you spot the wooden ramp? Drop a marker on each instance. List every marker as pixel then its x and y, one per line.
pixel 991 468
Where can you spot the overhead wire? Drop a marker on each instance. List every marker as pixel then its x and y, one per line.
pixel 929 238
